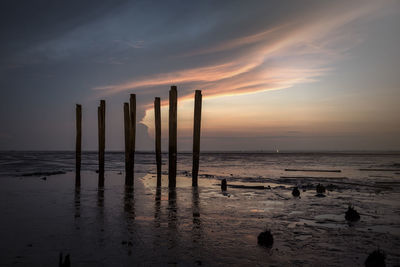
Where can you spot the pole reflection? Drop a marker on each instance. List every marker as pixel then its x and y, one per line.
pixel 77 202
pixel 157 208
pixel 172 224
pixel 196 207
pixel 100 198
pixel 129 203
pixel 100 216
pixel 196 228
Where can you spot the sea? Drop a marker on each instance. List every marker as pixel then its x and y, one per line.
pixel 43 214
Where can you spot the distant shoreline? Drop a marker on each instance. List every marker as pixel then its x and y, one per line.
pixel 355 152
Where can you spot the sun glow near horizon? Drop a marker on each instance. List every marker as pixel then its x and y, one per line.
pixel 237 89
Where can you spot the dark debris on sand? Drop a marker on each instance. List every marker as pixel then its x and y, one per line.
pixel 224 185
pixel 352 215
pixel 296 192
pixel 320 189
pixel 64 262
pixel 376 259
pixel 44 173
pixel 265 239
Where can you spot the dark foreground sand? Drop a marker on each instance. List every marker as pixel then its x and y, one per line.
pixel 113 227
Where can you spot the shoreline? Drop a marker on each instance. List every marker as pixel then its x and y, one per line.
pixel 188 227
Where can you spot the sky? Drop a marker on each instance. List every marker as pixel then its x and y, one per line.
pixel 275 75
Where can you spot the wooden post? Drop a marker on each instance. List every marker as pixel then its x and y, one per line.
pixel 78 148
pixel 157 118
pixel 102 139
pixel 196 137
pixel 127 143
pixel 173 103
pixel 99 135
pixel 132 132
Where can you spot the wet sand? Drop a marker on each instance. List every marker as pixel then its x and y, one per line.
pixel 188 227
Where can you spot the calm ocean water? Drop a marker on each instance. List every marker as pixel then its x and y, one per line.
pixel 237 166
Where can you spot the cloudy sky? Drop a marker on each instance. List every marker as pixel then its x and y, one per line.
pixel 287 75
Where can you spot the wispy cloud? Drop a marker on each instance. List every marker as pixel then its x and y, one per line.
pixel 278 57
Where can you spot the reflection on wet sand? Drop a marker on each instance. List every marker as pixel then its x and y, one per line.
pixel 100 216
pixel 129 203
pixel 157 208
pixel 129 215
pixel 100 198
pixel 77 202
pixel 197 232
pixel 172 208
pixel 172 225
pixel 196 208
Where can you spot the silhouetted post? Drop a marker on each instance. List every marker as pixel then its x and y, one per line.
pixel 132 132
pixel 102 140
pixel 196 137
pixel 157 118
pixel 173 103
pixel 78 148
pixel 99 134
pixel 127 126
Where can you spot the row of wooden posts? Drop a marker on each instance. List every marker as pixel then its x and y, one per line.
pixel 130 138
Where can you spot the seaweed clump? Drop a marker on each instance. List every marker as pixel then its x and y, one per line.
pixel 265 239
pixel 352 215
pixel 296 192
pixel 376 259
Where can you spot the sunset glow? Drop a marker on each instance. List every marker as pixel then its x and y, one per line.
pixel 323 71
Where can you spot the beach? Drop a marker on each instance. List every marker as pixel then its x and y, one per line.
pixel 44 214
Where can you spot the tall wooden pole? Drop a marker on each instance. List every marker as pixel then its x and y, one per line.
pixel 127 125
pixel 132 132
pixel 173 103
pixel 157 117
pixel 102 140
pixel 99 135
pixel 78 148
pixel 196 137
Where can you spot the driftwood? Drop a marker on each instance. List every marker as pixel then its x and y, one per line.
pixel 248 186
pixel 310 170
pixel 49 173
pixel 311 177
pixel 380 170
